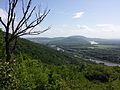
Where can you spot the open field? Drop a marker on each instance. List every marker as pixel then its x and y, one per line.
pixel 109 53
pixel 106 46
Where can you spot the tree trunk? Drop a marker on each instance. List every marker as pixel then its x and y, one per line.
pixel 7 47
pixel 8 56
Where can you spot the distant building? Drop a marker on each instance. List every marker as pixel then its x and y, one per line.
pixel 59 49
pixel 93 42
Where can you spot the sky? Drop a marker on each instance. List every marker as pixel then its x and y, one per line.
pixel 90 18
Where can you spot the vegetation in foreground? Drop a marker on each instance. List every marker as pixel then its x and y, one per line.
pixel 27 74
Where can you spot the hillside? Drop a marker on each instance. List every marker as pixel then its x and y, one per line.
pixel 44 40
pixel 42 52
pixel 72 40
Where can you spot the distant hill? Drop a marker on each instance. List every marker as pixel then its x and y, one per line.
pixel 74 40
pixel 106 41
pixel 45 40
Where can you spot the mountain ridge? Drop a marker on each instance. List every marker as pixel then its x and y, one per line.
pixel 73 40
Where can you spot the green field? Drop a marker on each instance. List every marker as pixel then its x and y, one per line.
pixel 106 46
pixel 109 53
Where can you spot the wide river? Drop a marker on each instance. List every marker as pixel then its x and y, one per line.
pixel 104 62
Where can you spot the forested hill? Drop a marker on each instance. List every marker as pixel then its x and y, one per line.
pixel 41 52
pixel 27 72
pixel 74 40
pixel 44 53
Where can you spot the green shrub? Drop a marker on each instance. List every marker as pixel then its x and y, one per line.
pixel 101 73
pixel 8 79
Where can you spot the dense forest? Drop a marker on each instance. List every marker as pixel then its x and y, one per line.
pixel 37 67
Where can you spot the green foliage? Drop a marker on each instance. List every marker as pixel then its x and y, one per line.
pixel 98 73
pixel 44 53
pixel 29 74
pixel 34 75
pixel 108 77
pixel 8 80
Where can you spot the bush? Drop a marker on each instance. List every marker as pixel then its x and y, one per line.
pixel 31 73
pixel 98 73
pixel 8 79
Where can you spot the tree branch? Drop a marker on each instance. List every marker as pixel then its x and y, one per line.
pixel 3 23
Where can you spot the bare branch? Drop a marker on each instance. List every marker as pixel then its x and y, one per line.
pixel 12 5
pixel 34 32
pixel 28 17
pixel 25 26
pixel 3 23
pixel 24 15
pixel 40 19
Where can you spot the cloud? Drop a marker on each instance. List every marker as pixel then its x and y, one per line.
pixel 85 27
pixel 104 25
pixel 108 31
pixel 3 14
pixel 78 15
pixel 109 26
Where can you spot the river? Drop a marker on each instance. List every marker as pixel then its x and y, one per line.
pixel 104 62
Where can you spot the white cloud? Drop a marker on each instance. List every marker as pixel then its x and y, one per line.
pixel 83 27
pixel 107 27
pixel 96 31
pixel 105 31
pixel 104 25
pixel 78 15
pixel 3 15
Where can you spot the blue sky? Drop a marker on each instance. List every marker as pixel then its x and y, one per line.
pixel 91 18
pixel 95 11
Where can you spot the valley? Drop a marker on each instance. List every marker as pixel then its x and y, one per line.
pixel 59 45
pixel 102 50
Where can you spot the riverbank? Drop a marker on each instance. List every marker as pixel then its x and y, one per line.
pixel 107 63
